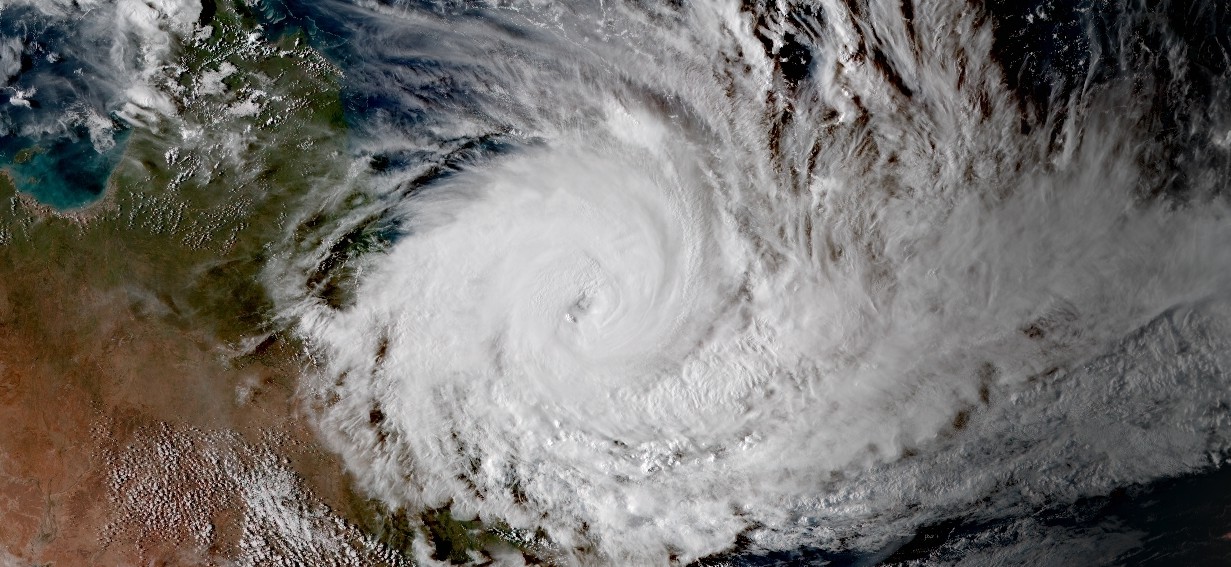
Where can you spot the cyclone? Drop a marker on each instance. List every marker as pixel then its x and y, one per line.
pixel 658 280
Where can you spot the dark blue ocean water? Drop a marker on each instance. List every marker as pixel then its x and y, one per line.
pixel 1048 49
pixel 66 76
pixel 394 87
pixel 397 84
pixel 1176 521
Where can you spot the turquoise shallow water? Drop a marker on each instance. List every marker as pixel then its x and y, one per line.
pixel 64 173
pixel 63 78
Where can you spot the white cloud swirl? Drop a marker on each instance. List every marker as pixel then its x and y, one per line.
pixel 713 303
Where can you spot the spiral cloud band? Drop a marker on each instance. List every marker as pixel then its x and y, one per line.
pixel 707 295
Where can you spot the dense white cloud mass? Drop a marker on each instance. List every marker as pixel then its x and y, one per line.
pixel 10 59
pixel 705 299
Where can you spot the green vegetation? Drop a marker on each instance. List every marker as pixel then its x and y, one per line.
pixel 199 204
pixel 198 199
pixel 24 155
pixel 393 528
pixel 451 539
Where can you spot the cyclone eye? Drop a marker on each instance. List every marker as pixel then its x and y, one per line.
pixel 579 308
